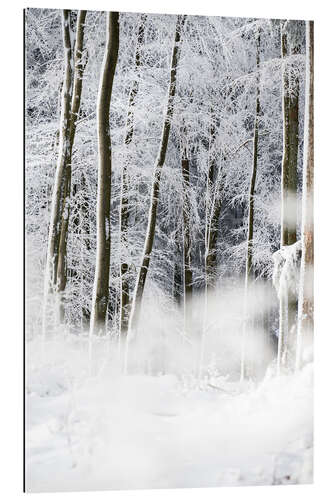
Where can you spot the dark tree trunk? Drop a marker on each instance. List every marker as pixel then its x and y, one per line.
pixel 148 246
pixel 215 184
pixel 250 231
pixel 102 271
pixel 288 305
pixel 290 143
pixel 177 271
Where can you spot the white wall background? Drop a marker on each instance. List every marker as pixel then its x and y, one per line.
pixel 11 237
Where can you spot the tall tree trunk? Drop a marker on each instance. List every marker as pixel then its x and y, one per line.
pixel 188 275
pixel 306 296
pixel 102 271
pixel 79 66
pixel 212 229
pixel 124 213
pixel 177 272
pixel 250 225
pixel 285 157
pixel 211 255
pixel 59 189
pixel 213 208
pixel 288 303
pixel 290 142
pixel 148 245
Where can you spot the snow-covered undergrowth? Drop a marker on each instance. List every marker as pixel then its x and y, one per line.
pixel 287 263
pixel 94 430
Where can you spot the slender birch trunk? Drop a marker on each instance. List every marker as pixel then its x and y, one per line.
pixel 250 224
pixel 148 245
pixel 79 66
pixel 102 271
pixel 59 189
pixel 123 210
pixel 306 295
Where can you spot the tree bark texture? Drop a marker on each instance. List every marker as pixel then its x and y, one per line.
pixel 102 270
pixel 290 142
pixel 290 105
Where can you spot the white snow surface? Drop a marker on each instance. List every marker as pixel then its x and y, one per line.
pixel 105 431
pixel 287 262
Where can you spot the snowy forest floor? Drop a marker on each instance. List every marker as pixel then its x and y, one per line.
pixel 106 431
